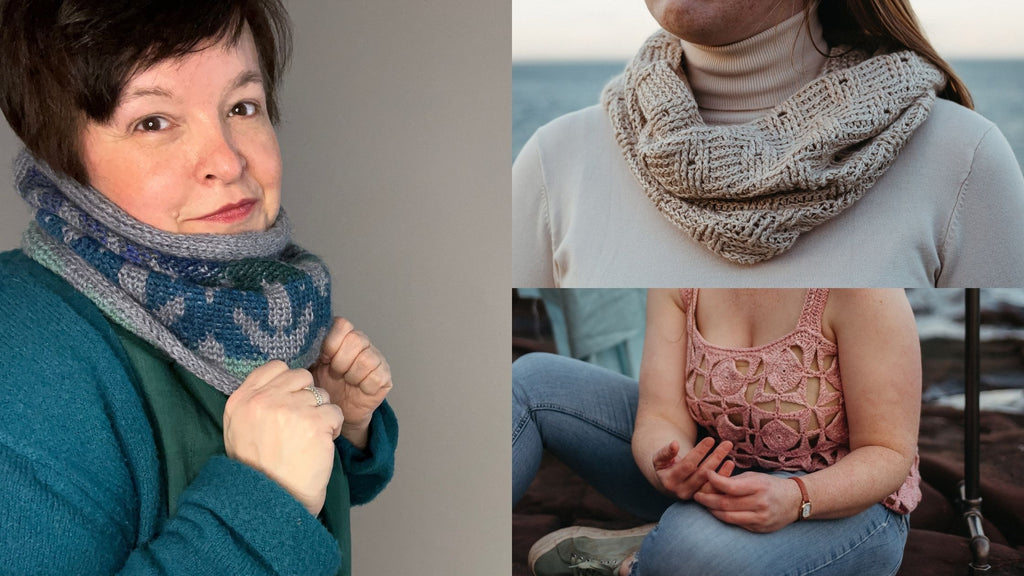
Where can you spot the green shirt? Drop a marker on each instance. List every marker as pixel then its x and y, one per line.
pixel 187 415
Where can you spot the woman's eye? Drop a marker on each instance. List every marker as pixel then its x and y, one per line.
pixel 152 124
pixel 243 109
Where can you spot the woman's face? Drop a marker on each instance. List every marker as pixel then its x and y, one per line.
pixel 190 148
pixel 720 22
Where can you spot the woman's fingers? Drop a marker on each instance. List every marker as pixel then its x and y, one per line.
pixel 272 423
pixel 741 485
pixel 340 328
pixel 350 356
pixel 665 457
pixel 722 502
pixel 355 358
pixel 333 418
pixel 378 379
pixel 691 461
pixel 263 375
pixel 702 458
pixel 754 501
pixel 341 348
pixel 705 451
pixel 324 396
pixel 738 493
pixel 708 464
pixel 685 476
pixel 727 468
pixel 264 383
pixel 369 371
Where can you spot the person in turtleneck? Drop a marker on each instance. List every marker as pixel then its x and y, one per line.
pixel 772 143
pixel 742 81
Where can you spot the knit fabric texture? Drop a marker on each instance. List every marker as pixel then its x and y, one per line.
pixel 780 404
pixel 219 305
pixel 748 191
pixel 83 479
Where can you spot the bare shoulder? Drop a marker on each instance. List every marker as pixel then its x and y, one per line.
pixel 666 298
pixel 867 308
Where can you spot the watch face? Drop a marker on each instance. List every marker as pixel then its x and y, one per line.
pixel 805 510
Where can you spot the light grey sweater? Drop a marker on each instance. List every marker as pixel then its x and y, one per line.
pixel 948 212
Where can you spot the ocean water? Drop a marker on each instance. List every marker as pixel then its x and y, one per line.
pixel 543 91
pixel 940 313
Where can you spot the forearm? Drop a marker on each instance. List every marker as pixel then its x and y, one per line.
pixel 866 476
pixel 652 433
pixel 880 355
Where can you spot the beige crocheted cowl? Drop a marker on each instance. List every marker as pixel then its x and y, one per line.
pixel 748 191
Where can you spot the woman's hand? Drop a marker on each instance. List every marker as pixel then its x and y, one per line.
pixel 355 374
pixel 684 476
pixel 273 424
pixel 752 500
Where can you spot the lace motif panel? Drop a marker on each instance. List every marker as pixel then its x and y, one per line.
pixel 781 403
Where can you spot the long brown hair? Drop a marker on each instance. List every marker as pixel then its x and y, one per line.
pixel 887 25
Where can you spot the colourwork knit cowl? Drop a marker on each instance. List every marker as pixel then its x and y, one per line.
pixel 747 192
pixel 219 305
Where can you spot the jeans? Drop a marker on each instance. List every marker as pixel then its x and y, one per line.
pixel 584 416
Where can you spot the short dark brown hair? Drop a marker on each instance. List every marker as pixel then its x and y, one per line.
pixel 65 62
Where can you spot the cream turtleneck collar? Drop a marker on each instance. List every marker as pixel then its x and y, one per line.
pixel 739 82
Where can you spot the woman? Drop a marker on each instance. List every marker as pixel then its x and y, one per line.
pixel 734 404
pixel 178 398
pixel 773 143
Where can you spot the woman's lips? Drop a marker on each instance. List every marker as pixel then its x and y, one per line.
pixel 231 213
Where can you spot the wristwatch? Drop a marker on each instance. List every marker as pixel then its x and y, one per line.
pixel 805 504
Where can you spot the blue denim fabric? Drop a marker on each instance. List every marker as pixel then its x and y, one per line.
pixel 689 540
pixel 584 415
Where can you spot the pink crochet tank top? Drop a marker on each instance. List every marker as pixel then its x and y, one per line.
pixel 780 404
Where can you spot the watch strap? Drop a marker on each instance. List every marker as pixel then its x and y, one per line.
pixel 805 500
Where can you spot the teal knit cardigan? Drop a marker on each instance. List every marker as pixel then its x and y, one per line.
pixel 81 480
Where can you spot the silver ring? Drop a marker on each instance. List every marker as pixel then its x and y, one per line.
pixel 319 397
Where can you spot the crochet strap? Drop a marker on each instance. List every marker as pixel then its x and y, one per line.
pixel 814 310
pixel 687 295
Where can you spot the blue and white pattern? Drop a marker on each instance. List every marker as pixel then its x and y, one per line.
pixel 218 316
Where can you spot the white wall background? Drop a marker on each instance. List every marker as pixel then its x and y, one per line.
pixel 396 144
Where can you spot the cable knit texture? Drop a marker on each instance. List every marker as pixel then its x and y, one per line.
pixel 780 404
pixel 747 192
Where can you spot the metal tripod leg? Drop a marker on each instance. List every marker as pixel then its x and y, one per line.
pixel 970 498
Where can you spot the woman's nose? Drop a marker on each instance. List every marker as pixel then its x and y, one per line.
pixel 219 156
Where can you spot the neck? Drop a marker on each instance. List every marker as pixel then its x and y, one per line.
pixel 739 82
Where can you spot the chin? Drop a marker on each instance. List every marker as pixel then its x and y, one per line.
pixel 255 223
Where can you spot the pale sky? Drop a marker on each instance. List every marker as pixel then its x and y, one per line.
pixel 614 29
